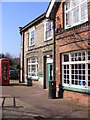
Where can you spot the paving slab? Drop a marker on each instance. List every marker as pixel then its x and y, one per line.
pixel 33 102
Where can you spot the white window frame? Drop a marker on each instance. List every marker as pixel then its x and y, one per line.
pixel 30 37
pixel 29 68
pixel 71 15
pixel 86 62
pixel 46 39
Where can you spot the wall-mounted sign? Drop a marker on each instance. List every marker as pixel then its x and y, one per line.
pixel 40 74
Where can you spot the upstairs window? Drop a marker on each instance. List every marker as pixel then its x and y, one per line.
pixel 32 38
pixel 48 31
pixel 75 12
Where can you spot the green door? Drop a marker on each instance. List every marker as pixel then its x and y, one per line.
pixel 49 73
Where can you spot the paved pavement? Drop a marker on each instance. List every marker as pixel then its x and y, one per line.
pixel 33 103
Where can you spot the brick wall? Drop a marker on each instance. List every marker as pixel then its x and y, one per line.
pixel 78 97
pixel 60 15
pixel 72 39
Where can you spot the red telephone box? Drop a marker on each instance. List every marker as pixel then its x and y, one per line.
pixel 4 71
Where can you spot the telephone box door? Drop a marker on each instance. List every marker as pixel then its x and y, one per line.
pixel 4 71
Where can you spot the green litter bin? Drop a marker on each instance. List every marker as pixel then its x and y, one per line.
pixel 52 89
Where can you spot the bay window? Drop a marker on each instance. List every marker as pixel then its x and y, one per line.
pixel 76 69
pixel 75 12
pixel 32 67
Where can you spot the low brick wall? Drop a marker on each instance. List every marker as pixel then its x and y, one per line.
pixel 78 97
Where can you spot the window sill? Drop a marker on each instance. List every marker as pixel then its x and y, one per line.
pixel 48 39
pixel 85 91
pixel 32 45
pixel 33 78
pixel 78 25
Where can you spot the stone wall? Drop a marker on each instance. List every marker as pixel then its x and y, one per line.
pixel 39 50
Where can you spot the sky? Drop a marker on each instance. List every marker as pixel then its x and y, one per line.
pixel 15 15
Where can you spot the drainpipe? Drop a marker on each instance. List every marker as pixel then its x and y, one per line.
pixel 23 60
pixel 22 67
pixel 52 83
pixel 54 52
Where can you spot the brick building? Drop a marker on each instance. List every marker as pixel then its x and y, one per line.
pixel 36 52
pixel 72 47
